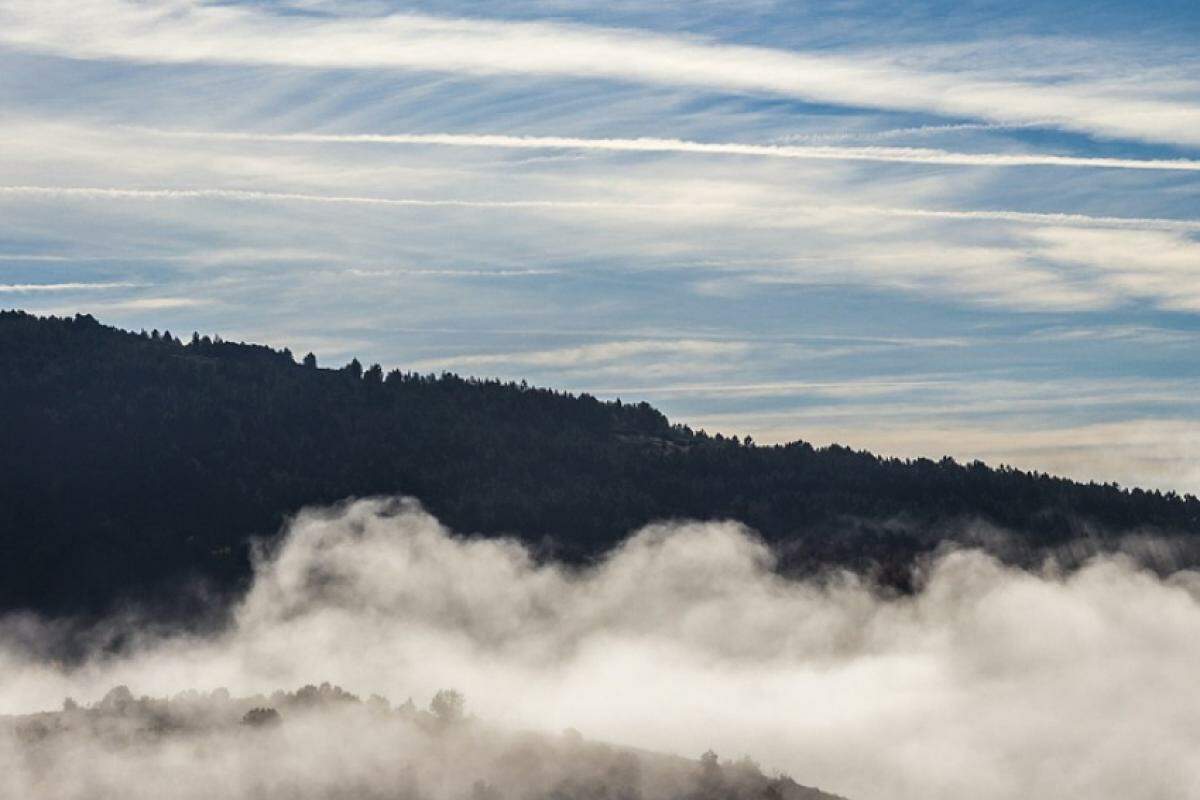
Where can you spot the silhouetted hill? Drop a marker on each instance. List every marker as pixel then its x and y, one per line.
pixel 132 463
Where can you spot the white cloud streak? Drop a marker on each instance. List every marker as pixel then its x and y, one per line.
pixel 22 288
pixel 904 155
pixel 155 303
pixel 1001 215
pixel 241 195
pixel 184 31
pixel 591 354
pixel 103 193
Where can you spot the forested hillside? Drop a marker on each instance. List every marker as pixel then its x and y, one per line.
pixel 137 465
pixel 323 743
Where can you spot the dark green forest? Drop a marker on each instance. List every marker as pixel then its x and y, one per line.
pixel 140 467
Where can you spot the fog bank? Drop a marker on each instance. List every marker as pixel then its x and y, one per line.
pixel 989 682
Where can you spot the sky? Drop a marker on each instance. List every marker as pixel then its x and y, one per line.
pixel 919 228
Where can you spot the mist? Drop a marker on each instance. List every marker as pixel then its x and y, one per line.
pixel 987 682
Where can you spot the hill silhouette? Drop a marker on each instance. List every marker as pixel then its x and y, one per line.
pixel 135 466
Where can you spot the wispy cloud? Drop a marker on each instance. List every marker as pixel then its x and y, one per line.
pixel 107 193
pixel 1044 267
pixel 450 273
pixel 787 213
pixel 1035 218
pixel 900 133
pixel 181 31
pixel 904 155
pixel 1139 263
pixel 23 288
pixel 590 354
pixel 155 303
pixel 1048 261
pixel 1152 452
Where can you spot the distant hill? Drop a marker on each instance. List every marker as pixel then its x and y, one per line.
pixel 131 464
pixel 323 743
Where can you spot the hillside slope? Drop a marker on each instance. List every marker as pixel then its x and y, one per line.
pixel 323 743
pixel 131 464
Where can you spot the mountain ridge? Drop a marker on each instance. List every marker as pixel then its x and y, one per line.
pixel 137 466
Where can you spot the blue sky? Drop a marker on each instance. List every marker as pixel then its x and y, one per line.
pixel 918 228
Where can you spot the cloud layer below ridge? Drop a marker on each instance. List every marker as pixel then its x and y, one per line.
pixel 989 682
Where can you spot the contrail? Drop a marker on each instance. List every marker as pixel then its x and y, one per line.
pixel 1001 215
pixel 92 192
pixel 242 195
pixel 63 287
pixel 903 155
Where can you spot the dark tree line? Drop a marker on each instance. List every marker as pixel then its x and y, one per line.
pixel 134 465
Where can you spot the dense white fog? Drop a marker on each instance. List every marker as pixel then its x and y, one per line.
pixel 989 682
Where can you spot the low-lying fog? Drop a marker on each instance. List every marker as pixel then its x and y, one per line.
pixel 989 682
